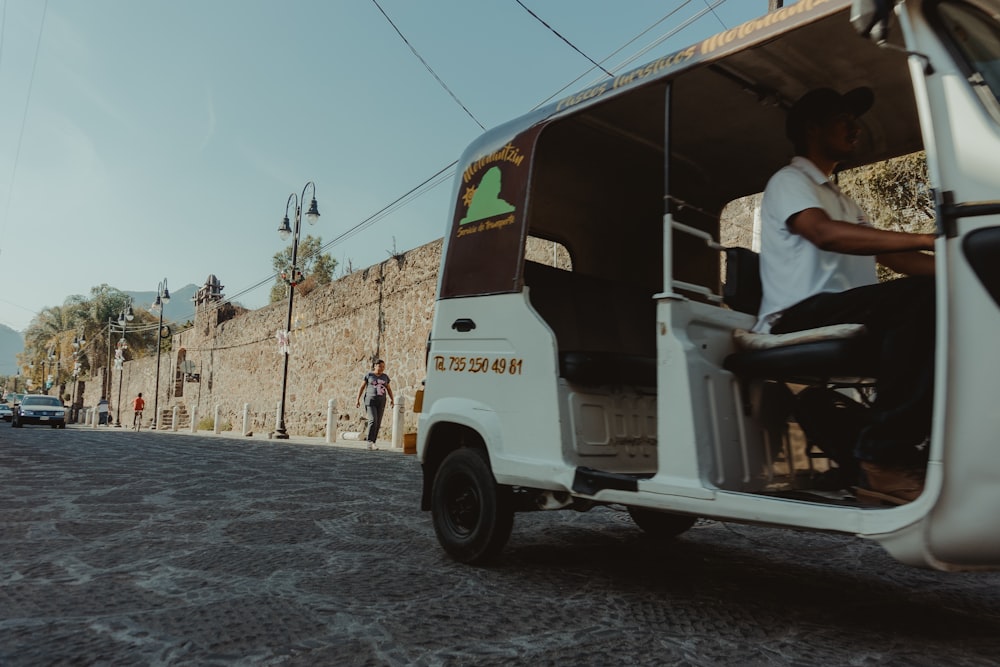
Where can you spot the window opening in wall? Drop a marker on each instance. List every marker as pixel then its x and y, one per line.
pixel 549 253
pixel 179 373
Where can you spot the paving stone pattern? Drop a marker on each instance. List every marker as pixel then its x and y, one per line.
pixel 119 548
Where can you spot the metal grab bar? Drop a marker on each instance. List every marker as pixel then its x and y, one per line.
pixel 704 291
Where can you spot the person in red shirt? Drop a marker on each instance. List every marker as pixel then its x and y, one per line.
pixel 138 404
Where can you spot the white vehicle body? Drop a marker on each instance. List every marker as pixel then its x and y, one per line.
pixel 608 382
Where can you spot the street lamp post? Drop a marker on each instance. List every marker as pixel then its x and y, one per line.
pixel 124 318
pixel 293 277
pixel 78 346
pixel 162 298
pixel 47 379
pixel 106 380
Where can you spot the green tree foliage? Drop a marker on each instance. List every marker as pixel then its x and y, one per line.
pixel 51 334
pixel 315 265
pixel 895 194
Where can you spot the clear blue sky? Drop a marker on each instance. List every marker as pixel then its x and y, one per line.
pixel 162 139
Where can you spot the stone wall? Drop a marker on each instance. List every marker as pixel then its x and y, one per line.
pixel 337 331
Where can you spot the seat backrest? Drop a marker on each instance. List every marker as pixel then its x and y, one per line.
pixel 742 289
pixel 591 314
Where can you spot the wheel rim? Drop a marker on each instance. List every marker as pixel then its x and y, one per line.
pixel 463 506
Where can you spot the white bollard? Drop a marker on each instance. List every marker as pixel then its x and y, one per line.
pixel 246 419
pixel 176 416
pixel 397 423
pixel 158 419
pixel 218 425
pixel 331 421
pixel 194 419
pixel 93 415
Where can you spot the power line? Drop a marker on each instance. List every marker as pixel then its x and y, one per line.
pixel 3 29
pixel 440 176
pixel 662 38
pixel 615 52
pixel 712 9
pixel 443 174
pixel 428 67
pixel 24 118
pixel 557 34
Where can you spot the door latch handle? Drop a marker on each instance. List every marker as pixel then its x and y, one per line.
pixel 463 324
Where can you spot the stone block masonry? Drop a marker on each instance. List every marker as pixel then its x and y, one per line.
pixel 383 311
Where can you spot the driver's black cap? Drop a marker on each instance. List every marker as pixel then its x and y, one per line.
pixel 822 103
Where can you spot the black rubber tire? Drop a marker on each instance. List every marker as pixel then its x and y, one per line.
pixel 473 515
pixel 55 425
pixel 661 525
pixel 63 425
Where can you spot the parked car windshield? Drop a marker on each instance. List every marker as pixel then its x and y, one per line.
pixel 41 400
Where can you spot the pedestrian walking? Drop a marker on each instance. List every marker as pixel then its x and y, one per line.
pixel 374 390
pixel 103 411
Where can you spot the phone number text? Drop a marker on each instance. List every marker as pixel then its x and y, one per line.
pixel 501 366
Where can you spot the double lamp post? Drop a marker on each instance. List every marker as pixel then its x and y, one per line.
pixel 292 277
pixel 124 317
pixel 162 299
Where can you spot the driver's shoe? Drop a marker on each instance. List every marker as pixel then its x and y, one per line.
pixel 887 485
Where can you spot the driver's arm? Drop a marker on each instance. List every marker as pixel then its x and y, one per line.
pixel 848 238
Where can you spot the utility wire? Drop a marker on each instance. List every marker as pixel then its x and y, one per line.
pixel 440 176
pixel 24 119
pixel 428 67
pixel 662 38
pixel 557 34
pixel 717 18
pixel 614 53
pixel 443 174
pixel 3 29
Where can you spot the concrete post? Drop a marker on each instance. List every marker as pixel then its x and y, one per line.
pixel 331 421
pixel 93 417
pixel 246 419
pixel 277 417
pixel 175 418
pixel 397 423
pixel 194 419
pixel 218 425
pixel 158 420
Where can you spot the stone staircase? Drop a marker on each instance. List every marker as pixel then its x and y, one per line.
pixel 167 418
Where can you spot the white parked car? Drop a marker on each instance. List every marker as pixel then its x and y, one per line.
pixel 41 410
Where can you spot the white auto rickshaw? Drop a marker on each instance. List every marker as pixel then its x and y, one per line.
pixel 582 349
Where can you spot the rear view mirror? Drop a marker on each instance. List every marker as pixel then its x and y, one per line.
pixel 871 18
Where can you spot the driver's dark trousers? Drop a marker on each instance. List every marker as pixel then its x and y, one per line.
pixel 899 316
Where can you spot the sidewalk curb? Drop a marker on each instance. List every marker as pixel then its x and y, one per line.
pixel 362 445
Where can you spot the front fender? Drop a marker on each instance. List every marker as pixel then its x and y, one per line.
pixel 449 424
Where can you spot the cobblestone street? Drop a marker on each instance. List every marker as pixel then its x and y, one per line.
pixel 120 548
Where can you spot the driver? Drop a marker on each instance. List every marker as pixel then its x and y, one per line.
pixel 818 255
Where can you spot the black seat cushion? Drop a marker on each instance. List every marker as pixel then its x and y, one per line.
pixel 607 368
pixel 807 362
